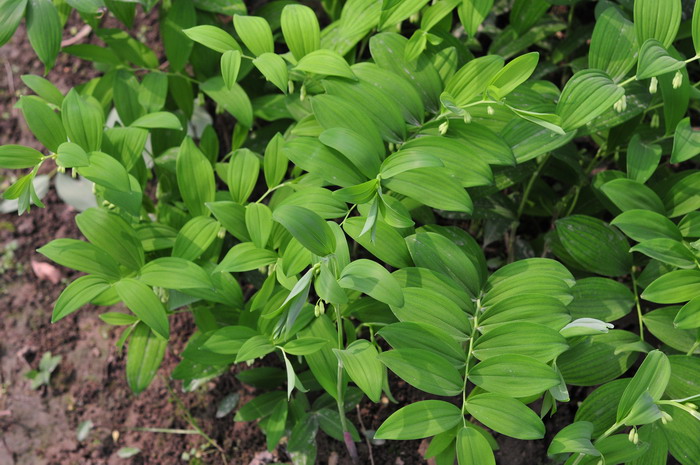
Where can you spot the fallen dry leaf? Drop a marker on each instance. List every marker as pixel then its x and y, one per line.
pixel 46 271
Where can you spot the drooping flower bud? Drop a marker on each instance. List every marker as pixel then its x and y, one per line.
pixel 444 126
pixel 677 80
pixel 653 85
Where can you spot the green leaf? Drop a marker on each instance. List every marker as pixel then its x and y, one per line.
pixel 686 142
pixel 513 74
pixel 300 29
pixel 596 407
pixel 43 88
pixel 178 46
pixel 525 306
pixel 111 233
pixel 76 294
pixel 472 13
pixel 688 316
pixel 445 314
pixel 246 257
pixel 473 448
pixel 613 44
pixel 11 13
pixel 258 219
pixel 651 377
pixel 472 79
pixel 44 30
pixel 243 172
pixel 174 273
pixel 627 194
pixel 326 63
pixel 274 68
pixel 679 433
pixel 141 300
pixel 143 358
pixel 83 120
pixel 355 147
pixel 395 12
pixel 587 95
pixel 320 200
pixel 514 375
pixel 410 335
pixel 309 154
pixel 654 60
pixel 230 66
pixel 594 245
pixel 683 196
pixel 153 91
pixel 600 298
pixel 195 178
pixel 673 287
pixel 402 161
pixel 654 20
pixel 668 251
pixel 194 237
pixel 574 438
pixel 233 100
pixel 160 119
pixel 643 159
pixel 506 415
pixel 362 365
pixel 255 347
pixel 306 227
pixel 274 161
pixel 255 33
pixel 43 122
pixel 371 278
pixel 231 215
pixel 81 256
pixel 388 245
pixel 695 28
pixel 524 338
pixel 432 187
pixel 260 407
pixel 212 37
pixel 106 171
pixel 305 345
pixel 16 157
pixel 424 370
pixel 642 225
pixel 420 420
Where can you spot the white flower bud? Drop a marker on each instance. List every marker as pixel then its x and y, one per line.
pixel 654 121
pixel 302 93
pixel 653 85
pixel 490 110
pixel 467 117
pixel 630 436
pixel 621 105
pixel 677 80
pixel 443 127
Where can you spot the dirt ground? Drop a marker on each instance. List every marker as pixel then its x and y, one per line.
pixel 39 427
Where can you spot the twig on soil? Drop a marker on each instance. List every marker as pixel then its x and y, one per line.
pixel 10 77
pixel 82 33
pixel 5 413
pixel 166 430
pixel 364 433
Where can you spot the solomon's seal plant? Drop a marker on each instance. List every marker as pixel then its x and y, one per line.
pixel 494 201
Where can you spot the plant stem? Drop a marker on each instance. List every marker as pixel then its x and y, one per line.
pixel 637 304
pixel 347 437
pixel 469 359
pixel 607 433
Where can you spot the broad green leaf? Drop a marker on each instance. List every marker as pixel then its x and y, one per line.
pixel 674 287
pixel 588 94
pixel 420 420
pixel 44 123
pixel 255 347
pixel 613 44
pixel 81 256
pixel 44 30
pixel 654 60
pixel 274 68
pixel 505 415
pixel 243 172
pixel 524 338
pixel 362 365
pixel 473 448
pixel 118 318
pixel 402 161
pixel 686 142
pixel 695 28
pixel 684 380
pixel 141 300
pixel 230 66
pixel 473 78
pixel 513 375
pixel 661 323
pixel 16 157
pixel 76 294
pixel 326 63
pixel 574 438
pixel 309 154
pixel 260 407
pixel 432 187
pixel 11 13
pixel 627 194
pixel 683 196
pixel 105 170
pixel 657 20
pixel 153 91
pixel 410 335
pixel 395 12
pixel 174 273
pixel 83 120
pixel 274 161
pixel 525 306
pixel 424 370
pixel 300 29
pixel 305 345
pixel 596 407
pixel 307 227
pixel 601 298
pixel 444 314
pixel 255 33
pixel 195 178
pixel 229 339
pixel 415 45
pixel 356 148
pixel 387 245
pixel 233 100
pixel 43 88
pixel 320 200
pixel 212 37
pixel 371 278
pixel 258 219
pixel 668 251
pixel 246 257
pixel 160 119
pixel 594 245
pixel 690 225
pixel 194 237
pixel 642 225
pixel 651 377
pixel 111 233
pixel 513 74
pixel 231 215
pixel 143 358
pixel 472 13
pixel 679 434
pixel 643 159
pixel 688 316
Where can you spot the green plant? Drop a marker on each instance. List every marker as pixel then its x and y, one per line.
pixel 431 204
pixel 42 376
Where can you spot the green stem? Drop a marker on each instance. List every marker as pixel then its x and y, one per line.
pixel 349 443
pixel 607 433
pixel 638 306
pixel 693 348
pixel 469 359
